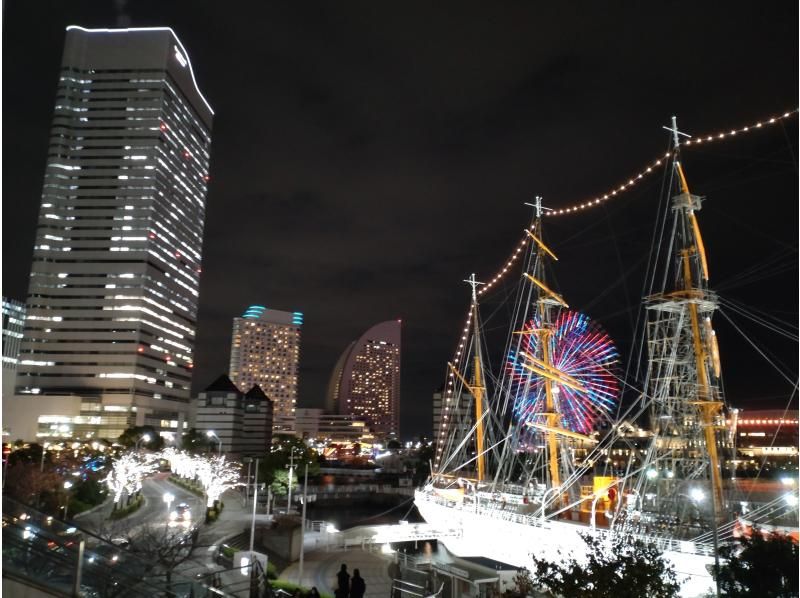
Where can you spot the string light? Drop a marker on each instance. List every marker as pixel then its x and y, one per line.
pixel 650 168
pixel 443 425
pixel 633 180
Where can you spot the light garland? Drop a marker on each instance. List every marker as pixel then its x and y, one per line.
pixel 653 166
pixel 448 395
pixel 648 170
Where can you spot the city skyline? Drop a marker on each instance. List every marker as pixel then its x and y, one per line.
pixel 366 171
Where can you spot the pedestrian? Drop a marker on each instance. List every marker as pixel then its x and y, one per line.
pixel 314 593
pixel 357 587
pixel 343 577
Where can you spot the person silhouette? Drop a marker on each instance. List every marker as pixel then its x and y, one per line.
pixel 357 586
pixel 343 577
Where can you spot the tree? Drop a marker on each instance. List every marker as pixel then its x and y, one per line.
pixel 131 436
pixel 625 569
pixel 279 458
pixel 195 442
pixel 31 486
pixel 280 482
pixel 760 567
pixel 164 547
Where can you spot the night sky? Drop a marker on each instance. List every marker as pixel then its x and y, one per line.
pixel 368 156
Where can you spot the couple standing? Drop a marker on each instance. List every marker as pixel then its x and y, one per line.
pixel 348 589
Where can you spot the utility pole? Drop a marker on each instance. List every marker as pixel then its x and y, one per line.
pixel 303 528
pixel 253 520
pixel 291 475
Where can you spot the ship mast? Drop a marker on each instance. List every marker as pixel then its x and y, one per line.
pixel 684 369
pixel 542 365
pixel 476 386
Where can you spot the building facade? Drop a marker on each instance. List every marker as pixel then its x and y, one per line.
pixel 453 418
pixel 241 422
pixel 265 350
pixel 366 379
pixel 330 428
pixel 13 325
pixel 113 293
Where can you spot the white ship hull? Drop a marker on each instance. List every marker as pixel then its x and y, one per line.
pixel 513 539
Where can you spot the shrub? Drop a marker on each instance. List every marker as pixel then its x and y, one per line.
pixel 125 511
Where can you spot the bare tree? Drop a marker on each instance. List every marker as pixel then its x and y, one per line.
pixel 165 547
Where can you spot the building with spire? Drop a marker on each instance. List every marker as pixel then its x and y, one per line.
pixel 265 350
pixel 366 379
pixel 112 300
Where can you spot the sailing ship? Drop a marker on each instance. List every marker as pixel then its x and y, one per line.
pixel 550 452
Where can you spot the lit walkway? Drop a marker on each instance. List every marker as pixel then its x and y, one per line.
pixel 320 569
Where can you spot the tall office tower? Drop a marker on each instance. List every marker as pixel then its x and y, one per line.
pixel 113 293
pixel 265 350
pixel 366 379
pixel 13 324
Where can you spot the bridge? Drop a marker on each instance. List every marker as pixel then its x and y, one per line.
pixel 366 536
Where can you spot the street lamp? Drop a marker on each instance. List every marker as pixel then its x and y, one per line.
pixel 67 486
pixel 213 434
pixel 168 498
pixel 44 450
pixel 145 438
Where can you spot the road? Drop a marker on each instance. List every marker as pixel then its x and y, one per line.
pixel 153 511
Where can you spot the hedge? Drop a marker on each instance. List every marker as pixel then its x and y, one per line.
pixel 125 511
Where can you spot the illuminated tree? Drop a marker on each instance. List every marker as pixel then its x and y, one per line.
pixel 217 475
pixel 127 473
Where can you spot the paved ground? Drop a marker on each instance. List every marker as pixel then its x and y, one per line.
pixel 320 569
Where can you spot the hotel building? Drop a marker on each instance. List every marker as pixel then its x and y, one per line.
pixel 366 380
pixel 265 350
pixel 112 300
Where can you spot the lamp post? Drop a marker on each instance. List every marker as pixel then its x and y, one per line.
pixel 303 528
pixel 213 434
pixel 143 438
pixel 168 498
pixel 291 473
pixel 44 450
pixel 67 486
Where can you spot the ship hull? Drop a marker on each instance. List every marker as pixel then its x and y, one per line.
pixel 512 539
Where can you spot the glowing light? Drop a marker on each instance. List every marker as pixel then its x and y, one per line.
pixel 580 349
pixel 696 494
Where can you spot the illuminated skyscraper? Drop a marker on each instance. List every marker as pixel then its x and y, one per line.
pixel 13 323
pixel 366 379
pixel 113 293
pixel 265 350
